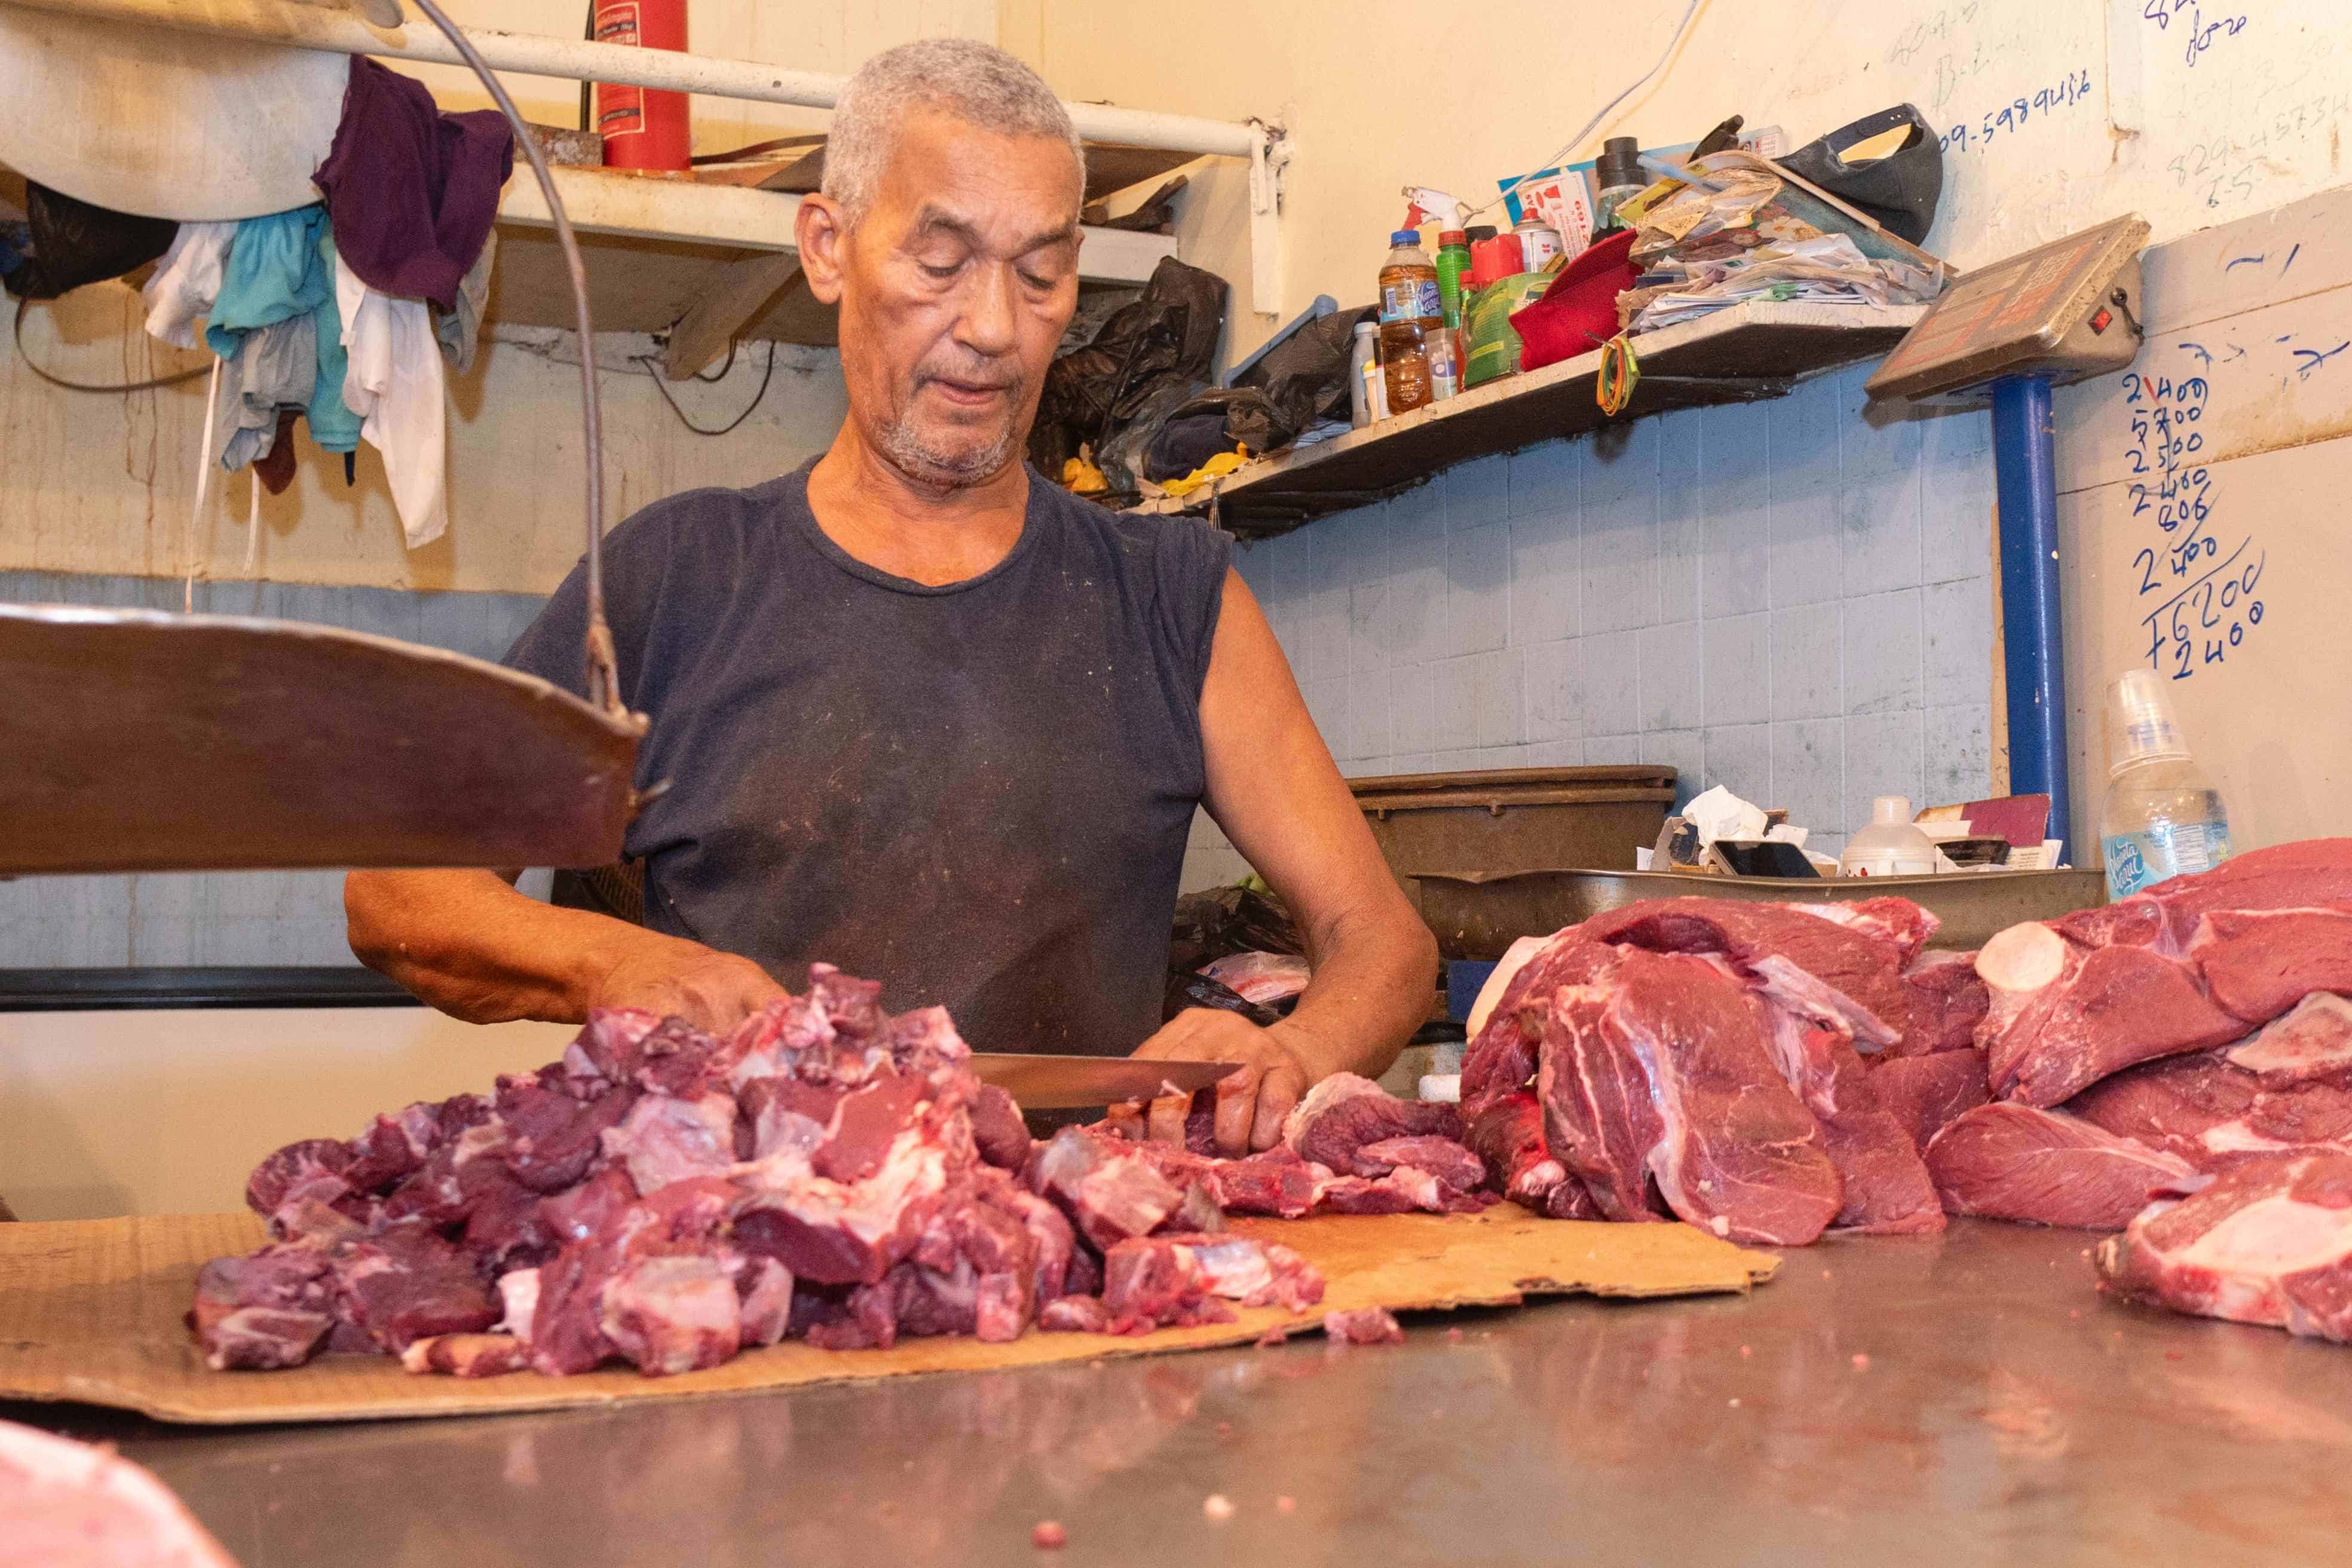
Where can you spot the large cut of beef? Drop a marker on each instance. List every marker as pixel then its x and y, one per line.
pixel 1926 1094
pixel 2188 964
pixel 2212 1111
pixel 2045 1167
pixel 827 1171
pixel 2267 1241
pixel 1698 1058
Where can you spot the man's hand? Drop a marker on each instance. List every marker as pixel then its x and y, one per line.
pixel 711 990
pixel 1277 1066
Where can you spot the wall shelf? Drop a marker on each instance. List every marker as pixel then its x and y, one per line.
pixel 657 248
pixel 1742 355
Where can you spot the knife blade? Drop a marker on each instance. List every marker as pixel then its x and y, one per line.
pixel 1040 1081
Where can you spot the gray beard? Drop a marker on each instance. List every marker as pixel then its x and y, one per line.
pixel 906 451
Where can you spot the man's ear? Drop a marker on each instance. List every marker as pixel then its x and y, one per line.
pixel 822 233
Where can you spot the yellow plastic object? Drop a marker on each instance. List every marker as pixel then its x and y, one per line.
pixel 1620 371
pixel 1217 468
pixel 1083 478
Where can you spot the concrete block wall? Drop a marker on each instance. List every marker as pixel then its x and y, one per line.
pixel 252 917
pixel 1793 599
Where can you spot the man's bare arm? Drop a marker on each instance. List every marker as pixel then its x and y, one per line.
pixel 1275 790
pixel 464 942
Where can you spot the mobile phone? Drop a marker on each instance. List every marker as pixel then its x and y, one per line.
pixel 1761 858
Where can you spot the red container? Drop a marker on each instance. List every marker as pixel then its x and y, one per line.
pixel 643 129
pixel 1501 257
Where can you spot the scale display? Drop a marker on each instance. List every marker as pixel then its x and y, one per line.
pixel 2049 311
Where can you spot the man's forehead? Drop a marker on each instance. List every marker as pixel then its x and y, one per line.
pixel 985 187
pixel 981 228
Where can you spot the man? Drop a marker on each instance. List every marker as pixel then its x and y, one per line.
pixel 924 715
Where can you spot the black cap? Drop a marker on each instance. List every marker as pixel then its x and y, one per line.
pixel 1620 163
pixel 1478 231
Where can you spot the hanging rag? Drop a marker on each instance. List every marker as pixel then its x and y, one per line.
pixel 414 191
pixel 333 425
pixel 273 272
pixel 276 466
pixel 395 385
pixel 461 329
pixel 182 290
pixel 75 242
pixel 276 367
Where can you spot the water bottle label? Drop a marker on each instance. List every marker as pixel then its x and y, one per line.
pixel 1410 300
pixel 2137 860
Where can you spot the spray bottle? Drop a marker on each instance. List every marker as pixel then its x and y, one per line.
pixel 1429 203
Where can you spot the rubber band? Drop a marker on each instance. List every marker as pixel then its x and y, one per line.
pixel 1620 371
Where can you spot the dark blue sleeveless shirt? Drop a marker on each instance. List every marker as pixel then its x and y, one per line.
pixel 977 793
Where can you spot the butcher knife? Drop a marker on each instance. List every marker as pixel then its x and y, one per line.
pixel 1042 1082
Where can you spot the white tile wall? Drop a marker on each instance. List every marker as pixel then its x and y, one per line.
pixel 1790 598
pixel 225 919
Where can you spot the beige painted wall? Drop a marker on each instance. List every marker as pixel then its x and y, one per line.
pixel 166 1113
pixel 1487 91
pixel 106 484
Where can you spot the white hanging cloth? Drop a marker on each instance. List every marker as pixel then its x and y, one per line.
pixel 395 385
pixel 186 282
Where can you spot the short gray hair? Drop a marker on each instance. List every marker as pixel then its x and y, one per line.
pixel 976 82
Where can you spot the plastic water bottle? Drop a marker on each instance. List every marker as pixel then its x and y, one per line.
pixel 2163 817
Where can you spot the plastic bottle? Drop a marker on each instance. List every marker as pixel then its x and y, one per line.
pixel 1453 267
pixel 1618 172
pixel 1444 344
pixel 1364 374
pixel 2163 817
pixel 1410 308
pixel 1891 846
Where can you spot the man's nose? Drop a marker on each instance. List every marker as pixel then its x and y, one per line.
pixel 986 326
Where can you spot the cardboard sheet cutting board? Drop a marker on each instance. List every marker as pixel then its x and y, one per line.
pixel 91 1311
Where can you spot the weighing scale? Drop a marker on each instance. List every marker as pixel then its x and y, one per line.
pixel 2006 333
pixel 133 739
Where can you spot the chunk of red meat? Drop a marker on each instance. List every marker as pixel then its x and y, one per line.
pixel 2045 1167
pixel 1075 1315
pixel 1887 1190
pixel 553 1136
pixel 997 1130
pixel 2269 1241
pixel 392 1148
pixel 1364 1326
pixel 671 1312
pixel 1451 1164
pixel 1345 1111
pixel 1834 972
pixel 1949 1001
pixel 2259 964
pixel 1926 1094
pixel 1158 1281
pixel 265 1311
pixel 312 1171
pixel 1109 1197
pixel 1509 1135
pixel 666 1140
pixel 1276 1182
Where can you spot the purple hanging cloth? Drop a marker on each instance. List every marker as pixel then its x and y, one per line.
pixel 411 190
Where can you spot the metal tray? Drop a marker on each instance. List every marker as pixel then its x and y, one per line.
pixel 1478 915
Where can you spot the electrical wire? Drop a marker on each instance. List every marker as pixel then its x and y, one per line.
pixel 24 305
pixel 770 374
pixel 1609 109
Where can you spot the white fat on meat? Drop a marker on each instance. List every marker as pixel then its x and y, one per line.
pixel 869 1210
pixel 673 1314
pixel 72 1505
pixel 518 1290
pixel 666 1140
pixel 2269 1240
pixel 1515 958
pixel 2315 1041
pixel 1797 990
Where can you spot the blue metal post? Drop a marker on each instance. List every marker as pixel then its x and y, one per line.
pixel 2025 454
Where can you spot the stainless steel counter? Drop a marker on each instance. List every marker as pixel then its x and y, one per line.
pixel 2005 1414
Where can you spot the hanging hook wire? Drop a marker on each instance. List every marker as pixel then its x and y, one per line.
pixel 603 665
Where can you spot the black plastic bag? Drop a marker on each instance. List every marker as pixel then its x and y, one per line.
pixel 1898 191
pixel 76 243
pixel 1123 453
pixel 1305 376
pixel 1224 920
pixel 1169 335
pixel 1220 419
pixel 1186 990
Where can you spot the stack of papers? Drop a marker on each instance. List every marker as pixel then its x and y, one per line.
pixel 1827 269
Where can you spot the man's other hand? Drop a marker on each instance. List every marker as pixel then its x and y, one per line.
pixel 1275 1069
pixel 713 991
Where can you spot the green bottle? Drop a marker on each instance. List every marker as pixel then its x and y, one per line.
pixel 1453 265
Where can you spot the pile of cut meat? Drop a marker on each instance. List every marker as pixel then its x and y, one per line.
pixel 1773 1071
pixel 827 1171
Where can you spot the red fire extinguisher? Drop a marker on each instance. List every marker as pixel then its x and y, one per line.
pixel 643 129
